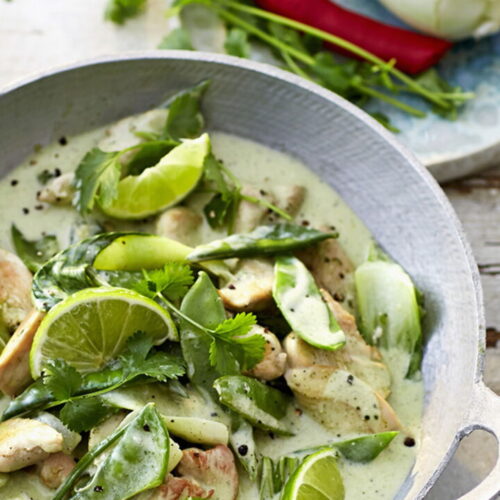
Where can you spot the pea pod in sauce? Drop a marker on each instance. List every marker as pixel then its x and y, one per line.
pixel 302 305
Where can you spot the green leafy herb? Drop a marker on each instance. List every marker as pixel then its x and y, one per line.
pixel 236 43
pixel 173 281
pixel 96 176
pixel 147 154
pixel 45 176
pixel 84 414
pixel 34 253
pixel 62 384
pixel 118 11
pixel 264 240
pixel 177 39
pixel 137 462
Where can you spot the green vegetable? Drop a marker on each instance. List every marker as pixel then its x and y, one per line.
pixel 273 474
pixel 177 39
pixel 34 253
pixel 137 462
pixel 264 240
pixel 184 119
pixel 300 301
pixel 211 344
pixel 61 384
pixel 365 448
pixel 241 438
pixel 260 404
pixel 119 11
pixel 388 308
pixel 236 43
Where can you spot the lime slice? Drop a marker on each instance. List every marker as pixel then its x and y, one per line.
pixel 162 185
pixel 317 478
pixel 91 327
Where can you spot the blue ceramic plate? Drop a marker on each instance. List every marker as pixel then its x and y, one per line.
pixel 452 148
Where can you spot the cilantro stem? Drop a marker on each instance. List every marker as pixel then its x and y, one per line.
pixel 293 66
pixel 339 42
pixel 265 203
pixel 309 61
pixel 85 461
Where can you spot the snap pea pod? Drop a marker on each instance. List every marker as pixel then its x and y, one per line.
pixel 273 474
pixel 360 449
pixel 138 461
pixel 264 240
pixel 263 406
pixel 302 305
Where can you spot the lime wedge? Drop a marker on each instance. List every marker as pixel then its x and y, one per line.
pixel 91 327
pixel 317 478
pixel 162 185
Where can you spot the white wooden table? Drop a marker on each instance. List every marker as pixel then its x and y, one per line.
pixel 38 35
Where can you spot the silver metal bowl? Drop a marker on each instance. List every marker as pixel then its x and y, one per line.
pixel 382 182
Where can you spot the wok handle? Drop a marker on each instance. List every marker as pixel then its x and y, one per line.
pixel 484 413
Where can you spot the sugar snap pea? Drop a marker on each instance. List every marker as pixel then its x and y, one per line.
pixel 302 305
pixel 365 448
pixel 264 240
pixel 137 462
pixel 263 406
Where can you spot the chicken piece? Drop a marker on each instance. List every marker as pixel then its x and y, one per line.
pixel 180 224
pixel 15 290
pixel 55 469
pixel 249 214
pixel 25 442
pixel 179 488
pixel 289 198
pixel 15 372
pixel 340 401
pixel 332 270
pixel 273 363
pixel 58 191
pixel 251 288
pixel 213 469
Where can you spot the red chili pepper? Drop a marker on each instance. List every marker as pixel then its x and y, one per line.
pixel 413 52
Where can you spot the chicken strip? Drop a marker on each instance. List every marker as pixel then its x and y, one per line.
pixel 55 469
pixel 179 488
pixel 273 363
pixel 213 469
pixel 15 290
pixel 58 191
pixel 25 442
pixel 251 288
pixel 15 372
pixel 250 214
pixel 180 224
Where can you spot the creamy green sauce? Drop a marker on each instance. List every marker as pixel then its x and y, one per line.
pixel 260 166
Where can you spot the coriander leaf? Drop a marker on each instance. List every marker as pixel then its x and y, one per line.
pixel 161 366
pixel 221 357
pixel 184 119
pixel 221 209
pixel 119 11
pixel 213 172
pixel 335 76
pixel 148 154
pixel 236 326
pixel 61 379
pixel 236 43
pixel 137 347
pixel 84 414
pixel 97 175
pixel 384 120
pixel 173 281
pixel 34 253
pixel 177 39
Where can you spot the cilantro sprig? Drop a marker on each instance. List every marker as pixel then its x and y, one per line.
pixel 79 394
pixel 229 339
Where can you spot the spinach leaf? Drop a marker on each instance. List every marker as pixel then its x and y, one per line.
pixel 263 406
pixel 34 253
pixel 137 462
pixel 118 11
pixel 184 119
pixel 236 43
pixel 69 271
pixel 97 176
pixel 177 39
pixel 264 240
pixel 300 301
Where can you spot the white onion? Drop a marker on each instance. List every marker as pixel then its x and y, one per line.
pixel 452 19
